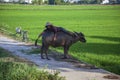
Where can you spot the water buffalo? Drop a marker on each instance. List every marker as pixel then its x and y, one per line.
pixel 62 39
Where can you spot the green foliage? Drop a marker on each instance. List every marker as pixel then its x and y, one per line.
pixel 100 24
pixel 57 2
pixel 39 2
pixel 3 53
pixel 4 26
pixel 90 1
pixel 20 71
pixel 12 68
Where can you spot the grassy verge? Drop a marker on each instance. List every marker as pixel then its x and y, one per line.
pixel 14 68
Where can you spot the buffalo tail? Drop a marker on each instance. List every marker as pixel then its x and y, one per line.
pixel 36 42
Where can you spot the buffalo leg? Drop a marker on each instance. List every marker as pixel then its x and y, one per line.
pixel 42 50
pixel 66 52
pixel 46 53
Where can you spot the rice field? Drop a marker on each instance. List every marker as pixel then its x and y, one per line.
pixel 99 23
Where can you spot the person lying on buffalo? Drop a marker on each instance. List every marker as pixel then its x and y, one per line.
pixel 55 29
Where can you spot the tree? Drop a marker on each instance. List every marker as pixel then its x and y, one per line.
pixel 57 2
pixel 40 2
pixel 51 2
pixel 98 1
pixel 90 1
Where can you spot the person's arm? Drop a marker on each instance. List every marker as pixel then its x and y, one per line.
pixel 55 29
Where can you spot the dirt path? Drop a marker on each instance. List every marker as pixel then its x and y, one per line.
pixel 66 69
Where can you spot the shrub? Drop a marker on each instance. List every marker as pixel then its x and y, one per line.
pixel 15 68
pixel 21 71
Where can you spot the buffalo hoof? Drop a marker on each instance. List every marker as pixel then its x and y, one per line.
pixel 64 58
pixel 48 58
pixel 42 58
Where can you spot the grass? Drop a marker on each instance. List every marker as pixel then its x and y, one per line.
pixel 99 23
pixel 12 68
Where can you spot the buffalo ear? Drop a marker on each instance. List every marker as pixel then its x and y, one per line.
pixel 81 34
pixel 75 34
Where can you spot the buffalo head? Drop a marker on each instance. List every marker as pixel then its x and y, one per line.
pixel 80 36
